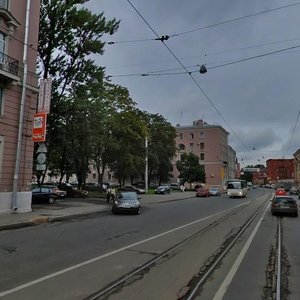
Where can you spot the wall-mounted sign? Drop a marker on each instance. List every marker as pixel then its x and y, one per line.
pixel 39 127
pixel 45 95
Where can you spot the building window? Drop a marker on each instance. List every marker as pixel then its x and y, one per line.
pixel 191 147
pixel 181 136
pixel 181 147
pixel 2 48
pixel 1 154
pixel 4 4
pixel 191 135
pixel 201 156
pixel 201 146
pixel 202 135
pixel 1 101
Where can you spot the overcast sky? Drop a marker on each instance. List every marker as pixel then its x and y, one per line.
pixel 256 101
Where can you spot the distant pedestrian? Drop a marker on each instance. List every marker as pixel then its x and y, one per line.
pixel 112 193
pixel 182 188
pixel 108 194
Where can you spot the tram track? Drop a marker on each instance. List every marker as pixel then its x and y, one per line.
pixel 128 278
pixel 278 268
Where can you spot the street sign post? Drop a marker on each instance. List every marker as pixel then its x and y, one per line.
pixel 39 127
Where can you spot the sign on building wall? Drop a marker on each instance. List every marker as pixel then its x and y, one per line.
pixel 39 127
pixel 45 95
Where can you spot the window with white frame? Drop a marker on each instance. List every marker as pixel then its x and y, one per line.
pixel 1 154
pixel 1 101
pixel 2 47
pixel 4 4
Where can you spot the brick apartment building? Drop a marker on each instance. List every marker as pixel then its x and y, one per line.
pixel 297 167
pixel 280 170
pixel 18 99
pixel 210 144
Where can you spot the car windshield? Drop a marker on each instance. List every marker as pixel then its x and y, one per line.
pixel 131 196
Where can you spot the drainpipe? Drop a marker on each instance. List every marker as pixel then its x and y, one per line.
pixel 21 117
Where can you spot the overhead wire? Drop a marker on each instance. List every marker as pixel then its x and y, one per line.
pixel 207 26
pixel 292 137
pixel 166 71
pixel 191 76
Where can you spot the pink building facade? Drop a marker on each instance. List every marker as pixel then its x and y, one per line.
pixel 210 144
pixel 18 101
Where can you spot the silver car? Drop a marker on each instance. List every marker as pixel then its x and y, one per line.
pixel 127 202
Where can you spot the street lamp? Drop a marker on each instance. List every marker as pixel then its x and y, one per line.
pixel 146 164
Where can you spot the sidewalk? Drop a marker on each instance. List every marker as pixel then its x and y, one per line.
pixel 70 208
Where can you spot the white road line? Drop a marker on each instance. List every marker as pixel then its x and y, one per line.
pixel 225 284
pixel 90 261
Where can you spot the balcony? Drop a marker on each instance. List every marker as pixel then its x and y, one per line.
pixel 9 69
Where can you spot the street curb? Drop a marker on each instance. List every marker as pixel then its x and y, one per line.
pixel 68 217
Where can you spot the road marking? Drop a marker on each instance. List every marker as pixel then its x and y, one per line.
pixel 90 261
pixel 225 284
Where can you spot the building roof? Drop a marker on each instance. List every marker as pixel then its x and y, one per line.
pixel 200 124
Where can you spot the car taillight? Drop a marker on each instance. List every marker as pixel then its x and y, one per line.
pixel 275 205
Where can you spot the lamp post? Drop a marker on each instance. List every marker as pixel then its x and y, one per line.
pixel 146 164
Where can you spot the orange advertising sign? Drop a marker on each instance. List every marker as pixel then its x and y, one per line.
pixel 39 127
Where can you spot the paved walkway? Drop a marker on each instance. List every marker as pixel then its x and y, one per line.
pixel 70 208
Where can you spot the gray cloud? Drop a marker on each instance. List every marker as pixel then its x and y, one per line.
pixel 257 98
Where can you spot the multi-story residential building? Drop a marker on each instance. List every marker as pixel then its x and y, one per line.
pixel 19 26
pixel 297 167
pixel 279 170
pixel 210 144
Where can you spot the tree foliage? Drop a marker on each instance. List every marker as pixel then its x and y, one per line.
pixel 190 169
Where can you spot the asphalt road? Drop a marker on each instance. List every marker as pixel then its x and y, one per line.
pixel 71 260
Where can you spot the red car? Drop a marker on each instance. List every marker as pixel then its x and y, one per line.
pixel 280 192
pixel 202 192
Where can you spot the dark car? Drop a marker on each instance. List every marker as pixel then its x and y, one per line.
pixel 202 192
pixel 284 205
pixel 43 194
pixel 163 189
pixel 131 188
pixel 214 191
pixel 60 193
pixel 127 202
pixel 73 192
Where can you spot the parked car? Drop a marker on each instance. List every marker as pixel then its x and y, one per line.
pixel 73 192
pixel 131 188
pixel 284 205
pixel 175 186
pixel 163 189
pixel 202 192
pixel 127 202
pixel 60 193
pixel 43 194
pixel 214 191
pixel 280 192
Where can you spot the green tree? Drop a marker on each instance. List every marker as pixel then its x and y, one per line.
pixel 190 169
pixel 128 149
pixel 161 150
pixel 69 34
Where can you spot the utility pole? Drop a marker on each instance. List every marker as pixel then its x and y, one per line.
pixel 146 164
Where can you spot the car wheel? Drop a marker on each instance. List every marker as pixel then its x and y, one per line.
pixel 51 200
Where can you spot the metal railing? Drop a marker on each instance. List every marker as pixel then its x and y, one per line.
pixel 9 64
